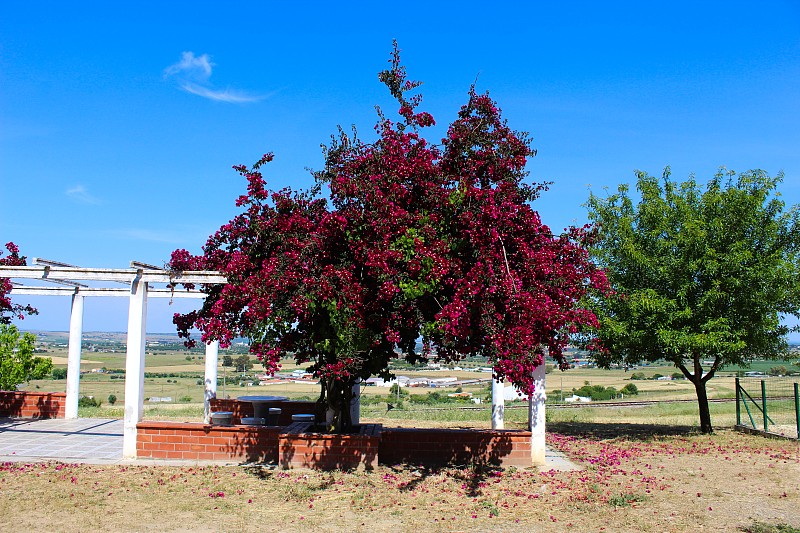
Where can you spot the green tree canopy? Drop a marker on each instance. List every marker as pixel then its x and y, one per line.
pixel 243 363
pixel 17 363
pixel 702 275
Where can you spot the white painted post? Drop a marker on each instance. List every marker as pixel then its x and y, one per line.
pixel 134 366
pixel 212 359
pixel 498 404
pixel 536 406
pixel 355 403
pixel 74 357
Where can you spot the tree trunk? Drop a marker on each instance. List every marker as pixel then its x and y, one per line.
pixel 702 404
pixel 700 388
pixel 337 396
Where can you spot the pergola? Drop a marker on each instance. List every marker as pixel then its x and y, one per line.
pixel 65 280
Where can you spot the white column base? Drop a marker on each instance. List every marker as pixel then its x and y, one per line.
pixel 536 417
pixel 498 404
pixel 210 381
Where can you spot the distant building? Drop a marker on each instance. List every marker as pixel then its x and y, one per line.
pixel 575 398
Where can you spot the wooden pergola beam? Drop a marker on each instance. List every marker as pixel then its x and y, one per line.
pixel 102 291
pixel 138 278
pixel 125 275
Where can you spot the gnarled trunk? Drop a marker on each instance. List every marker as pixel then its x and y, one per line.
pixel 699 381
pixel 337 395
pixel 702 404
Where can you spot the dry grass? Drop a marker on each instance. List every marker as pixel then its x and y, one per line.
pixel 632 481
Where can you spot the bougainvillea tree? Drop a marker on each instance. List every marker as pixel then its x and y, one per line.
pixel 417 241
pixel 8 309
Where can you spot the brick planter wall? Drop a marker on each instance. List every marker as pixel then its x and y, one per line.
pixel 438 447
pixel 195 441
pixel 298 448
pixel 245 409
pixel 32 404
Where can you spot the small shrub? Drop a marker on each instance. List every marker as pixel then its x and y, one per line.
pixel 638 376
pixel 112 399
pixel 88 401
pixel 630 389
pixel 185 399
pixel 777 371
pixel 596 392
pixel 625 499
pixel 59 373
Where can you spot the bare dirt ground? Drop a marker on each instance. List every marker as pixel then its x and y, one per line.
pixel 634 478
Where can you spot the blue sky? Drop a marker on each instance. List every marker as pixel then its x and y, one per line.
pixel 120 121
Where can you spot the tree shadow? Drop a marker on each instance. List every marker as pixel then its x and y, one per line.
pixel 302 446
pixel 434 447
pixel 473 476
pixel 253 444
pixel 11 404
pixel 24 404
pixel 614 430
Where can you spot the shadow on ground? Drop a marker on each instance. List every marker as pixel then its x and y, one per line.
pixel 612 430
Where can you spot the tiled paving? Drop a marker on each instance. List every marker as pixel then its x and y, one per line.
pixel 81 440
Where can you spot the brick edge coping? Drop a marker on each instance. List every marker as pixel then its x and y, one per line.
pixel 302 427
pixel 295 428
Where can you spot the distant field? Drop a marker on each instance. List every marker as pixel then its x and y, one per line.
pixel 185 388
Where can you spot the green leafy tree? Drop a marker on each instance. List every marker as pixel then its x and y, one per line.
pixel 243 363
pixel 227 360
pixel 778 371
pixel 630 389
pixel 17 363
pixel 112 399
pixel 699 273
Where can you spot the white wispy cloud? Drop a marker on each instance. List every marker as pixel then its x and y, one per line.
pixel 227 95
pixel 192 75
pixel 191 66
pixel 80 194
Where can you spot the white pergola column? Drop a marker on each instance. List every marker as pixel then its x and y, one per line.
pixel 212 359
pixel 498 404
pixel 355 403
pixel 134 366
pixel 74 357
pixel 536 406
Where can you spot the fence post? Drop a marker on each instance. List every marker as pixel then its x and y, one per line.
pixel 738 407
pixel 764 404
pixel 797 407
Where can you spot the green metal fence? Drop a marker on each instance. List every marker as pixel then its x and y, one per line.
pixel 770 404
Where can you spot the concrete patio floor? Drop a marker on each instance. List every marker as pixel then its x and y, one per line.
pixel 99 441
pixel 82 440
